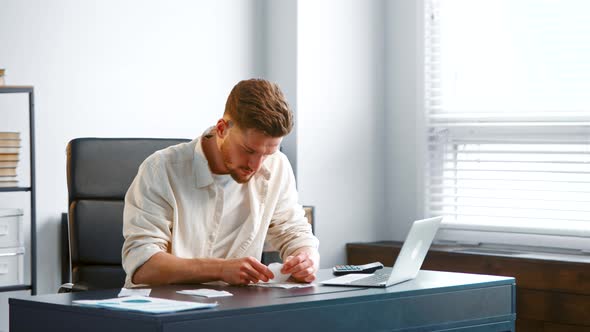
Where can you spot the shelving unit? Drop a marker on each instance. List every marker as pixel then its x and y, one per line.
pixel 31 189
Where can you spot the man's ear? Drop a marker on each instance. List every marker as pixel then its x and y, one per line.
pixel 222 128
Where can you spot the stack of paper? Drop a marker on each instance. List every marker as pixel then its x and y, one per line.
pixel 205 292
pixel 285 285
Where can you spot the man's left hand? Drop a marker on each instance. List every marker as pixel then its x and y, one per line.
pixel 302 265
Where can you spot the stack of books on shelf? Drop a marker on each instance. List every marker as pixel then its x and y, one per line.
pixel 9 156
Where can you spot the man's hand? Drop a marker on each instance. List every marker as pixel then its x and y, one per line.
pixel 302 265
pixel 242 271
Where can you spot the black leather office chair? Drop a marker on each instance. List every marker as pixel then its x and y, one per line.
pixel 99 172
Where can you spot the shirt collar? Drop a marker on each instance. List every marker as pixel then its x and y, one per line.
pixel 203 175
pixel 202 172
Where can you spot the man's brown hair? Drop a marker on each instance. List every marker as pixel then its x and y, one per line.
pixel 260 104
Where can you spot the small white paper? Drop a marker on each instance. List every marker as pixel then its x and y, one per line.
pixel 276 270
pixel 144 304
pixel 137 292
pixel 205 292
pixel 285 285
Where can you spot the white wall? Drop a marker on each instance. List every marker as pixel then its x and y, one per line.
pixel 118 68
pixel 404 145
pixel 280 59
pixel 340 99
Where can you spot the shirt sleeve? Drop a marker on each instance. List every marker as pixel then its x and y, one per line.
pixel 147 218
pixel 289 229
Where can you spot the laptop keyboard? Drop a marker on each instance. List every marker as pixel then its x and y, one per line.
pixel 374 279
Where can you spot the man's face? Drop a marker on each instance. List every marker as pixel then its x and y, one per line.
pixel 244 151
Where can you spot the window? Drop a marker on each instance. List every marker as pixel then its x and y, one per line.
pixel 507 100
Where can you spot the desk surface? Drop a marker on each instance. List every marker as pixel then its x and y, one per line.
pixel 476 300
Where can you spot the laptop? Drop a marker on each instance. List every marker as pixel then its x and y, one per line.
pixel 407 264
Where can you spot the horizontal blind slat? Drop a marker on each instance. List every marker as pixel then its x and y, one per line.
pixel 523 218
pixel 506 161
pixel 435 196
pixel 495 179
pixel 435 178
pixel 581 149
pixel 459 169
pixel 465 205
pixel 514 188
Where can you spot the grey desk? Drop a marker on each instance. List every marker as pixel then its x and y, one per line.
pixel 434 301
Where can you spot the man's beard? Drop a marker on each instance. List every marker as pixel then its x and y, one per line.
pixel 233 171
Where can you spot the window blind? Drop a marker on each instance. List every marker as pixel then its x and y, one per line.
pixel 507 101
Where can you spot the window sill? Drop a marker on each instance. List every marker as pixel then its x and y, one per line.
pixel 571 256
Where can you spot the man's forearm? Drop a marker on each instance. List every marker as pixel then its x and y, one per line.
pixel 164 268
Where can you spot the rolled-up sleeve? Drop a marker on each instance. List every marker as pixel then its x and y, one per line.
pixel 147 218
pixel 289 229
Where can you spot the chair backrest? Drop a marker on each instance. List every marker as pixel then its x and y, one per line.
pixel 99 172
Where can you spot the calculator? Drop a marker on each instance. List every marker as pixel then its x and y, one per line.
pixel 339 270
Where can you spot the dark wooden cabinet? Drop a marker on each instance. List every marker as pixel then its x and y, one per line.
pixel 552 295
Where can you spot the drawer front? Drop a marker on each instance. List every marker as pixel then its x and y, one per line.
pixel 11 269
pixel 11 231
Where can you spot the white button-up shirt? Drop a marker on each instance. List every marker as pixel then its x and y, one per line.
pixel 175 206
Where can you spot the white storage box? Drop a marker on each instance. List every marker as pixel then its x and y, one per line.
pixel 12 266
pixel 11 228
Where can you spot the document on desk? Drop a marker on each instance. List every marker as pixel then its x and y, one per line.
pixel 152 305
pixel 205 292
pixel 285 285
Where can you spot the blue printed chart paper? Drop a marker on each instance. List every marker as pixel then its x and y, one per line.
pixel 152 305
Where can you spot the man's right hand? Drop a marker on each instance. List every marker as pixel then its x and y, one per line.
pixel 242 271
